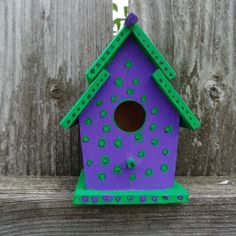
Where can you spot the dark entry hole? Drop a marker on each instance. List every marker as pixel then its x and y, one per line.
pixel 129 116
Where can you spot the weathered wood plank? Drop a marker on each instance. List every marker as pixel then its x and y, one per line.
pixel 45 48
pixel 42 206
pixel 198 38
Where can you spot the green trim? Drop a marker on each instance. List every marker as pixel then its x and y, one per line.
pixel 107 54
pixel 83 101
pixel 152 52
pixel 175 194
pixel 188 118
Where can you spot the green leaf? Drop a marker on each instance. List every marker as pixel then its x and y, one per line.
pixel 117 22
pixel 114 7
pixel 126 11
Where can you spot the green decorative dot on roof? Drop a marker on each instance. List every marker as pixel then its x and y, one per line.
pixel 106 128
pixel 88 121
pixel 168 129
pixel 118 143
pixel 89 162
pixel 105 160
pixel 113 98
pixel 85 139
pixel 101 176
pixel 139 137
pixel 148 172
pixel 130 91
pixel 99 103
pixel 135 81
pixel 101 142
pixel 154 110
pixel 103 113
pixel 141 154
pixel 117 169
pixel 129 64
pixel 153 126
pixel 118 82
pixel 143 98
pixel 164 167
pixel 154 141
pixel 132 177
pixel 165 151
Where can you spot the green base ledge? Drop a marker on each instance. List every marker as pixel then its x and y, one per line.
pixel 83 196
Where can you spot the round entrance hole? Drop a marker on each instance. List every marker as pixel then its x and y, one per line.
pixel 129 116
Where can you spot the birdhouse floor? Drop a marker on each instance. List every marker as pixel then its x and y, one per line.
pixel 82 195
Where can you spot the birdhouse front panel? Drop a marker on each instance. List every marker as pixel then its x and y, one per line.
pixel 129 130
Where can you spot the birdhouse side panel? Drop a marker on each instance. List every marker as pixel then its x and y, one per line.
pixel 129 130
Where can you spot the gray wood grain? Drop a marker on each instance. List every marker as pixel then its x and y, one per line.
pixel 198 38
pixel 45 48
pixel 42 206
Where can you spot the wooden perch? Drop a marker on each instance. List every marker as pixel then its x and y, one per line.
pixel 42 206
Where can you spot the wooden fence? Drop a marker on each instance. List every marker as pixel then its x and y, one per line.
pixel 199 40
pixel 45 48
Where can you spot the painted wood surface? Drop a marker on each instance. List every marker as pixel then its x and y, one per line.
pixel 42 206
pixel 45 48
pixel 198 38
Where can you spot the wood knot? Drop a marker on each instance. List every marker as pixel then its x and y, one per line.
pixel 55 89
pixel 215 91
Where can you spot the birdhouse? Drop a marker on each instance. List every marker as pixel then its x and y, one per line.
pixel 129 119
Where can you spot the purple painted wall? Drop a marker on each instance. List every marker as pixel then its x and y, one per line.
pixel 155 153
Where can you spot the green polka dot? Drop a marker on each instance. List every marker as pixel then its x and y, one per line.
pixel 118 82
pixel 129 64
pixel 103 113
pixel 130 91
pixel 101 142
pixel 85 139
pixel 106 128
pixel 105 160
pixel 113 98
pixel 164 167
pixel 135 81
pixel 118 143
pixel 153 126
pixel 101 176
pixel 168 129
pixel 132 177
pixel 99 103
pixel 117 169
pixel 154 110
pixel 141 154
pixel 139 137
pixel 143 99
pixel 154 141
pixel 148 172
pixel 89 162
pixel 88 121
pixel 165 152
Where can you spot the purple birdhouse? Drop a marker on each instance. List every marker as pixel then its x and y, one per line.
pixel 129 118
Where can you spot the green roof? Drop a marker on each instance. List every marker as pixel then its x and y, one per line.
pixel 96 76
